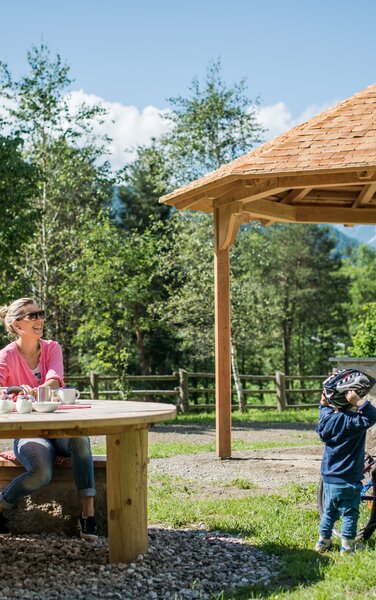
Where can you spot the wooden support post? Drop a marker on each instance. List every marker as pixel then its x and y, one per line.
pixel 222 339
pixel 94 385
pixel 281 390
pixel 127 495
pixel 183 391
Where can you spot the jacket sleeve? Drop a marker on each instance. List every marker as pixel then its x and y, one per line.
pixel 55 369
pixel 347 424
pixel 325 422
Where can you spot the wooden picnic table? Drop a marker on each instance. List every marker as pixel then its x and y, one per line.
pixel 125 425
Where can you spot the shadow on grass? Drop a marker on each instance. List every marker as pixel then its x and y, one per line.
pixel 301 568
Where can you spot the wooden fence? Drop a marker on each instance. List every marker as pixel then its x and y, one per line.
pixel 196 391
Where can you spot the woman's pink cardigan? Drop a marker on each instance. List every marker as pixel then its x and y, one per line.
pixel 14 369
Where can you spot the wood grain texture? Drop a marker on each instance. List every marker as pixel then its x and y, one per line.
pixel 125 424
pixel 126 495
pixel 222 343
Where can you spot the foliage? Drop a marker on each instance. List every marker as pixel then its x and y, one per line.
pixel 187 269
pixel 145 180
pixel 364 339
pixel 117 288
pixel 214 125
pixel 300 278
pixel 359 267
pixel 70 186
pixel 17 184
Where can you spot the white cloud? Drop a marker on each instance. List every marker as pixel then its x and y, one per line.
pixel 126 125
pixel 277 118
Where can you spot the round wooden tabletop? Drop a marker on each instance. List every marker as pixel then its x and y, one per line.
pixel 94 417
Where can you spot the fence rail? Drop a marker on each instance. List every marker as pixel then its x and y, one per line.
pixel 196 391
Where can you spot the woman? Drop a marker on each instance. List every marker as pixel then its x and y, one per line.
pixel 30 361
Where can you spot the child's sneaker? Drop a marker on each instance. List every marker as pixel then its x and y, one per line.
pixel 323 545
pixel 347 547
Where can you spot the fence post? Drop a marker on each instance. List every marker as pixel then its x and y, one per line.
pixel 94 385
pixel 183 391
pixel 281 389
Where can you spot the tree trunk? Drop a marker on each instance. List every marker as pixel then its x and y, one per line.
pixel 141 352
pixel 237 380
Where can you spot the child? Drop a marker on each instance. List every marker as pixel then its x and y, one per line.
pixel 344 419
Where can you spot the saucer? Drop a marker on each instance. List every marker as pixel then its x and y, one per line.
pixel 45 407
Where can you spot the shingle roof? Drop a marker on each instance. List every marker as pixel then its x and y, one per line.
pixel 341 138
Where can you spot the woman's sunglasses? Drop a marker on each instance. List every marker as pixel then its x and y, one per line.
pixel 33 315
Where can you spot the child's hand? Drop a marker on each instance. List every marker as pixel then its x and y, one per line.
pixel 353 398
pixel 323 400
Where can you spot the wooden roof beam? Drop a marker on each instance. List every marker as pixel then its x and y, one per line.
pixel 365 195
pixel 265 209
pixel 229 219
pixel 325 214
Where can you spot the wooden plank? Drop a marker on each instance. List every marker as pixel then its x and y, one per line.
pixel 222 342
pixel 102 416
pixel 267 209
pixel 295 195
pixel 365 196
pixel 127 495
pixel 325 214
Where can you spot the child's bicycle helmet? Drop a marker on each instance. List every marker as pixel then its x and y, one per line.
pixel 336 386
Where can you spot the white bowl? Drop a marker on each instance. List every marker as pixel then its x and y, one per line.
pixel 45 407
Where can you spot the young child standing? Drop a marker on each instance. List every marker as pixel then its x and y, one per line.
pixel 344 417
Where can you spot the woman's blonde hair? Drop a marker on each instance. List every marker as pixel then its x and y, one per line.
pixel 14 311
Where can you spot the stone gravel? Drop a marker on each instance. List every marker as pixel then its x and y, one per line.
pixel 183 563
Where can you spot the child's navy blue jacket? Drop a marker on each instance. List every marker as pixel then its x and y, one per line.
pixel 344 435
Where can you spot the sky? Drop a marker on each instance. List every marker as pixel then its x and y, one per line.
pixel 298 56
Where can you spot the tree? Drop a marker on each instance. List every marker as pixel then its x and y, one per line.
pixel 302 279
pixel 118 290
pixel 186 267
pixel 145 180
pixel 17 186
pixel 360 267
pixel 71 185
pixel 364 340
pixel 215 125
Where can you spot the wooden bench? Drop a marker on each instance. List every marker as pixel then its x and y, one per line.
pixel 56 507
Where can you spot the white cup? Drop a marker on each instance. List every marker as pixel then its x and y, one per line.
pixel 6 406
pixel 68 395
pixel 24 404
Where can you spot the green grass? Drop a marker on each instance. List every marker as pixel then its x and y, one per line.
pixel 168 449
pixel 257 415
pixel 285 526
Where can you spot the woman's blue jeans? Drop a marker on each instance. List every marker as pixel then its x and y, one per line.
pixel 37 456
pixel 340 499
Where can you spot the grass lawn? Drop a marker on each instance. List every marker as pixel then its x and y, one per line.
pixel 256 415
pixel 280 524
pixel 283 524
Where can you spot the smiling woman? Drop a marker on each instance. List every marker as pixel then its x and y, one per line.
pixel 32 362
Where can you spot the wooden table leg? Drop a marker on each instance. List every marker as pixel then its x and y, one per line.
pixel 127 494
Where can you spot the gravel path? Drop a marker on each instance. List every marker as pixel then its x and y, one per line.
pixel 180 563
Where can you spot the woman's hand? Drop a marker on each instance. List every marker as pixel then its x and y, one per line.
pixel 28 389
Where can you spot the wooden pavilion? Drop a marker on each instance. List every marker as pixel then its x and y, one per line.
pixel 323 171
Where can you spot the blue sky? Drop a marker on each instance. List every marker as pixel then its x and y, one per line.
pixel 138 53
pixel 300 57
